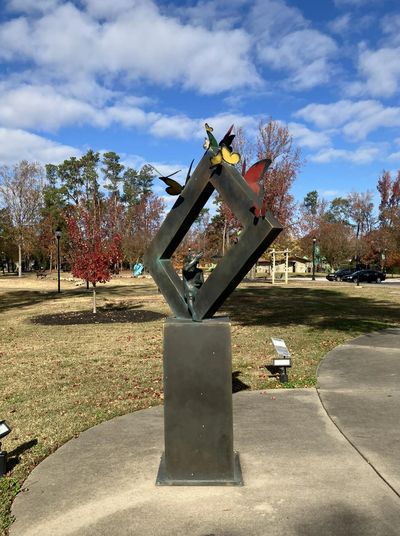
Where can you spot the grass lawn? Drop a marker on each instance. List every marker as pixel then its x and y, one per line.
pixel 64 369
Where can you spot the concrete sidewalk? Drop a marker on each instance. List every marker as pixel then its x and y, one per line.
pixel 359 385
pixel 302 475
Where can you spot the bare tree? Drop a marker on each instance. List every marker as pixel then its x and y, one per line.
pixel 361 207
pixel 21 192
pixel 275 142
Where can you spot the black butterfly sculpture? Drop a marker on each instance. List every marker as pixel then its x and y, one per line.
pixel 173 187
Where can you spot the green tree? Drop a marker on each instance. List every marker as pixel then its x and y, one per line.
pixel 136 184
pixel 90 177
pixel 339 211
pixel 112 171
pixel 310 202
pixel 69 174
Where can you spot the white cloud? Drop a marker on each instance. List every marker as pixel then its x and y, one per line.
pixel 285 41
pixel 178 53
pixel 308 138
pixel 17 145
pixel 354 3
pixel 179 127
pixel 361 155
pixel 183 127
pixel 356 119
pixel 67 42
pixel 221 123
pixel 394 156
pixel 42 108
pixel 305 53
pixel 273 18
pixel 329 193
pixel 380 71
pixel 216 15
pixel 390 25
pixel 341 24
pixel 45 108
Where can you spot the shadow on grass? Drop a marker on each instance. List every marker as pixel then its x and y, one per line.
pixel 103 316
pixel 27 298
pixel 277 306
pixel 13 456
pixel 237 384
pixel 318 308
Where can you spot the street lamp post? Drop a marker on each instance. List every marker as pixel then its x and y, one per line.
pixel 58 236
pixel 314 240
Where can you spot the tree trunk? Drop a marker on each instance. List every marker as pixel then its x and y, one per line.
pixel 19 260
pixel 51 261
pixel 94 299
pixel 223 239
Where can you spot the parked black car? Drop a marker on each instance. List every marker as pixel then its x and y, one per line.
pixel 365 276
pixel 339 274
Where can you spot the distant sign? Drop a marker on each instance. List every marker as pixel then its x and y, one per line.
pixel 280 347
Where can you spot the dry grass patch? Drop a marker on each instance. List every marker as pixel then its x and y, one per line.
pixel 65 369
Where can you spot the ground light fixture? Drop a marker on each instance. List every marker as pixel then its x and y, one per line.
pixel 283 361
pixel 4 431
pixel 58 236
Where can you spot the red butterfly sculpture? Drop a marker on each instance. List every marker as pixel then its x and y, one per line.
pixel 254 177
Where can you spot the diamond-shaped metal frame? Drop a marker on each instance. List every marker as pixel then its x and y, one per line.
pixel 257 235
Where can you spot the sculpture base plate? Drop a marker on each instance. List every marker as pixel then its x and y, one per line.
pixel 237 479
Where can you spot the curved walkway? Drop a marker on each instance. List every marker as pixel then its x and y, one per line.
pixel 359 386
pixel 302 476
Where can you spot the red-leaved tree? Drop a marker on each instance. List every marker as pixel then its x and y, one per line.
pixel 95 245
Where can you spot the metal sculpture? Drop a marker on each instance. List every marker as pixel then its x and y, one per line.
pixel 197 347
pixel 260 228
pixel 193 279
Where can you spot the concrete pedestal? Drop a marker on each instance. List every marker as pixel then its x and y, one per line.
pixel 198 427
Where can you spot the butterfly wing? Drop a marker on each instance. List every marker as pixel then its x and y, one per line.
pixel 255 174
pixel 211 137
pixel 229 157
pixel 255 179
pixel 217 159
pixel 173 187
pixel 161 176
pixel 189 171
pixel 228 139
pixel 244 166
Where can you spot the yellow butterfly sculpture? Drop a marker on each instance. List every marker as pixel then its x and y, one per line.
pixel 224 154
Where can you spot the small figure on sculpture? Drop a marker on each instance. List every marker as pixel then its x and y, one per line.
pixel 193 279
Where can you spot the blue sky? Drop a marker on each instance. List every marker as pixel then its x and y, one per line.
pixel 140 77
